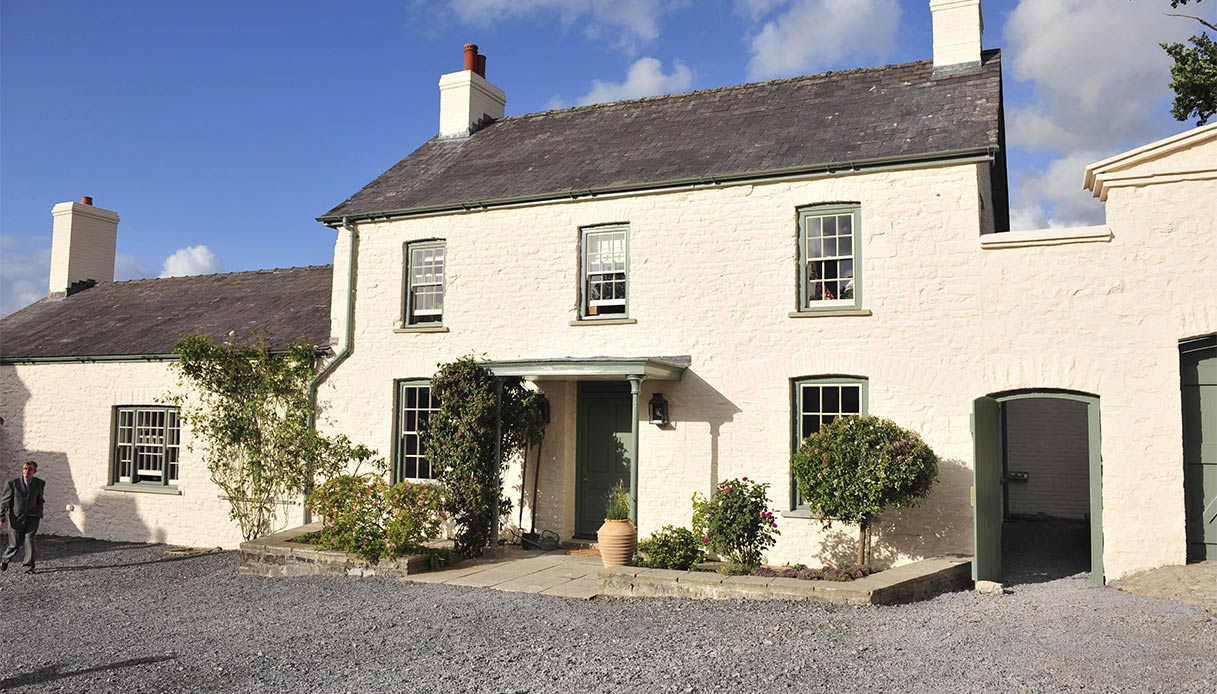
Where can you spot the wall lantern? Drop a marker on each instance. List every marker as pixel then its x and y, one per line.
pixel 659 409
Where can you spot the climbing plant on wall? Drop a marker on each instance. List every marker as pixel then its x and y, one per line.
pixel 250 410
pixel 460 444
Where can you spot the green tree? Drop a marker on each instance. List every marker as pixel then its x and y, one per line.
pixel 460 442
pixel 250 408
pixel 855 467
pixel 1194 74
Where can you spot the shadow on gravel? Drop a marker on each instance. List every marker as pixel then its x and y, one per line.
pixel 51 673
pixel 94 567
pixel 1037 551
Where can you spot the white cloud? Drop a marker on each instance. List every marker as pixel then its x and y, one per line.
pixel 644 78
pixel 1055 198
pixel 813 35
pixel 192 260
pixel 1098 85
pixel 24 277
pixel 623 23
pixel 1099 78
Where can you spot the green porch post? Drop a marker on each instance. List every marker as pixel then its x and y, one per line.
pixel 635 389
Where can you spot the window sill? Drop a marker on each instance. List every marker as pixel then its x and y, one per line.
pixel 800 513
pixel 420 329
pixel 830 313
pixel 142 489
pixel 604 321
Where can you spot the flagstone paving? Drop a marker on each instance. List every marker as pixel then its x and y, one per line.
pixel 522 571
pixel 1194 584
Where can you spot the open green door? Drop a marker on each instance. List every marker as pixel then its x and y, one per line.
pixel 1199 381
pixel 986 489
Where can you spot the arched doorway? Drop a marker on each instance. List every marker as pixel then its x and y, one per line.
pixel 1037 458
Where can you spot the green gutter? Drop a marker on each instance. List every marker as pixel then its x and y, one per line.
pixel 89 359
pixel 341 355
pixel 898 163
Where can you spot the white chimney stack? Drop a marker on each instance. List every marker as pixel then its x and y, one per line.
pixel 466 100
pixel 957 28
pixel 83 242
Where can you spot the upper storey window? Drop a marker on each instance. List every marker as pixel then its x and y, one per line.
pixel 425 283
pixel 605 271
pixel 830 273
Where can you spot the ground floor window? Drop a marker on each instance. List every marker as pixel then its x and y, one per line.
pixel 147 445
pixel 414 405
pixel 819 400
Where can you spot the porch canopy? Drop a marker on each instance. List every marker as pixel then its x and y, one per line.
pixel 632 369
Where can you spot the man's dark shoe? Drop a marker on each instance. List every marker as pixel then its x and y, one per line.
pixel 29 569
pixel 3 566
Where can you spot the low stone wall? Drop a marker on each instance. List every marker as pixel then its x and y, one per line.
pixel 275 555
pixel 909 583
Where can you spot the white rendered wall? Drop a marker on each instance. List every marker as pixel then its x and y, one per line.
pixel 60 415
pixel 713 276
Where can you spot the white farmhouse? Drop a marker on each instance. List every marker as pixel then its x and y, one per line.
pixel 697 281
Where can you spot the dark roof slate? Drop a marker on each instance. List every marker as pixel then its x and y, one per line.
pixel 147 317
pixel 829 118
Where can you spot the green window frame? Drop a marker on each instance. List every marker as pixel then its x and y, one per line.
pixel 425 282
pixel 818 400
pixel 604 268
pixel 147 445
pixel 413 405
pixel 830 259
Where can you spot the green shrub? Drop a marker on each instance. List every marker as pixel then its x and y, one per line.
pixel 855 467
pixel 412 515
pixel 366 517
pixel 736 522
pixel 353 508
pixel 671 548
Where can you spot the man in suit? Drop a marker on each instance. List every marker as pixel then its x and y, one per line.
pixel 21 508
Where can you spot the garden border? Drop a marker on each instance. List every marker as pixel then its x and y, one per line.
pixel 276 555
pixel 919 580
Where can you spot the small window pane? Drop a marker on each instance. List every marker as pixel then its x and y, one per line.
pixel 831 399
pixel 850 400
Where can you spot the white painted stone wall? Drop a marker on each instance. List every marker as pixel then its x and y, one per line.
pixel 713 276
pixel 60 415
pixel 1049 440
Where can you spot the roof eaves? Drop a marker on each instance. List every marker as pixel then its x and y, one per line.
pixel 709 180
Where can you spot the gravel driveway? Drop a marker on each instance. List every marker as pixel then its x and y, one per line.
pixel 103 616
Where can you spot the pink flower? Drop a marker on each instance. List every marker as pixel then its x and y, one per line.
pixel 745 479
pixel 728 488
pixel 773 525
pixel 705 540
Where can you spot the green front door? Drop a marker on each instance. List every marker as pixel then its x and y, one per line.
pixel 602 441
pixel 986 489
pixel 1199 381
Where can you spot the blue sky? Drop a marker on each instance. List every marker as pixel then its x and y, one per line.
pixel 219 130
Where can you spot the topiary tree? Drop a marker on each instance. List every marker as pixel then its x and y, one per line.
pixel 855 467
pixel 460 444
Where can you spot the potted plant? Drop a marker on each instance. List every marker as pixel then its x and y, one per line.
pixel 617 537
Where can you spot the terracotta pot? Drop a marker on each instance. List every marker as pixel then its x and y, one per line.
pixel 617 539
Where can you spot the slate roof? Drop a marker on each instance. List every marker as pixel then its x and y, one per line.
pixel 147 317
pixel 833 118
